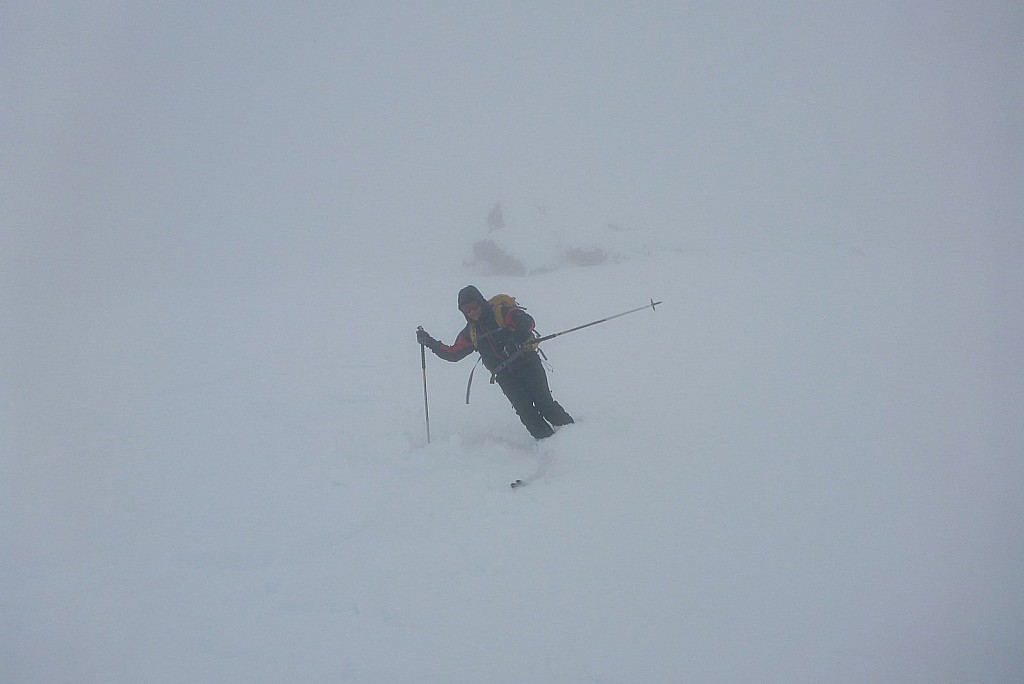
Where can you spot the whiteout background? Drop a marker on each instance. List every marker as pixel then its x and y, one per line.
pixel 220 228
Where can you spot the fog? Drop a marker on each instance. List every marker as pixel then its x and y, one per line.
pixel 148 143
pixel 210 216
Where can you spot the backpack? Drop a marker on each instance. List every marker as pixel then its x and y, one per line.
pixel 501 304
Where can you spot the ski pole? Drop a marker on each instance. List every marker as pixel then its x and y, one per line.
pixel 423 365
pixel 587 325
pixel 531 344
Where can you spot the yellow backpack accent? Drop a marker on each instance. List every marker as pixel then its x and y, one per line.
pixel 500 304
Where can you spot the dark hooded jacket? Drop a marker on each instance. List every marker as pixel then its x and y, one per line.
pixel 491 337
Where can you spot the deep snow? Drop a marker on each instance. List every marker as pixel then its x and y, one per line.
pixel 221 223
pixel 802 467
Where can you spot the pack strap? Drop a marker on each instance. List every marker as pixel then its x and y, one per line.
pixel 469 385
pixel 505 364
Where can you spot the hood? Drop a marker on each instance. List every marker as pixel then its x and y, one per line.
pixel 470 293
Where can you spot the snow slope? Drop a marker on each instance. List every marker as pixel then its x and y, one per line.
pixel 221 223
pixel 803 467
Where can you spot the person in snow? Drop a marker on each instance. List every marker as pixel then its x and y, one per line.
pixel 504 349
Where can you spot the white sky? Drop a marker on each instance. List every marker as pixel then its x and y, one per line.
pixel 149 142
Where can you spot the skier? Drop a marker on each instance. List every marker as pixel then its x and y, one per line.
pixel 501 331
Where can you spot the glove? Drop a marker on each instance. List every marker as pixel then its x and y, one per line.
pixel 522 337
pixel 426 340
pixel 514 346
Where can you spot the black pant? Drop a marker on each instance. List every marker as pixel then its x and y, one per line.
pixel 526 385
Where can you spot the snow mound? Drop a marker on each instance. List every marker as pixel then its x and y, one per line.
pixel 542 240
